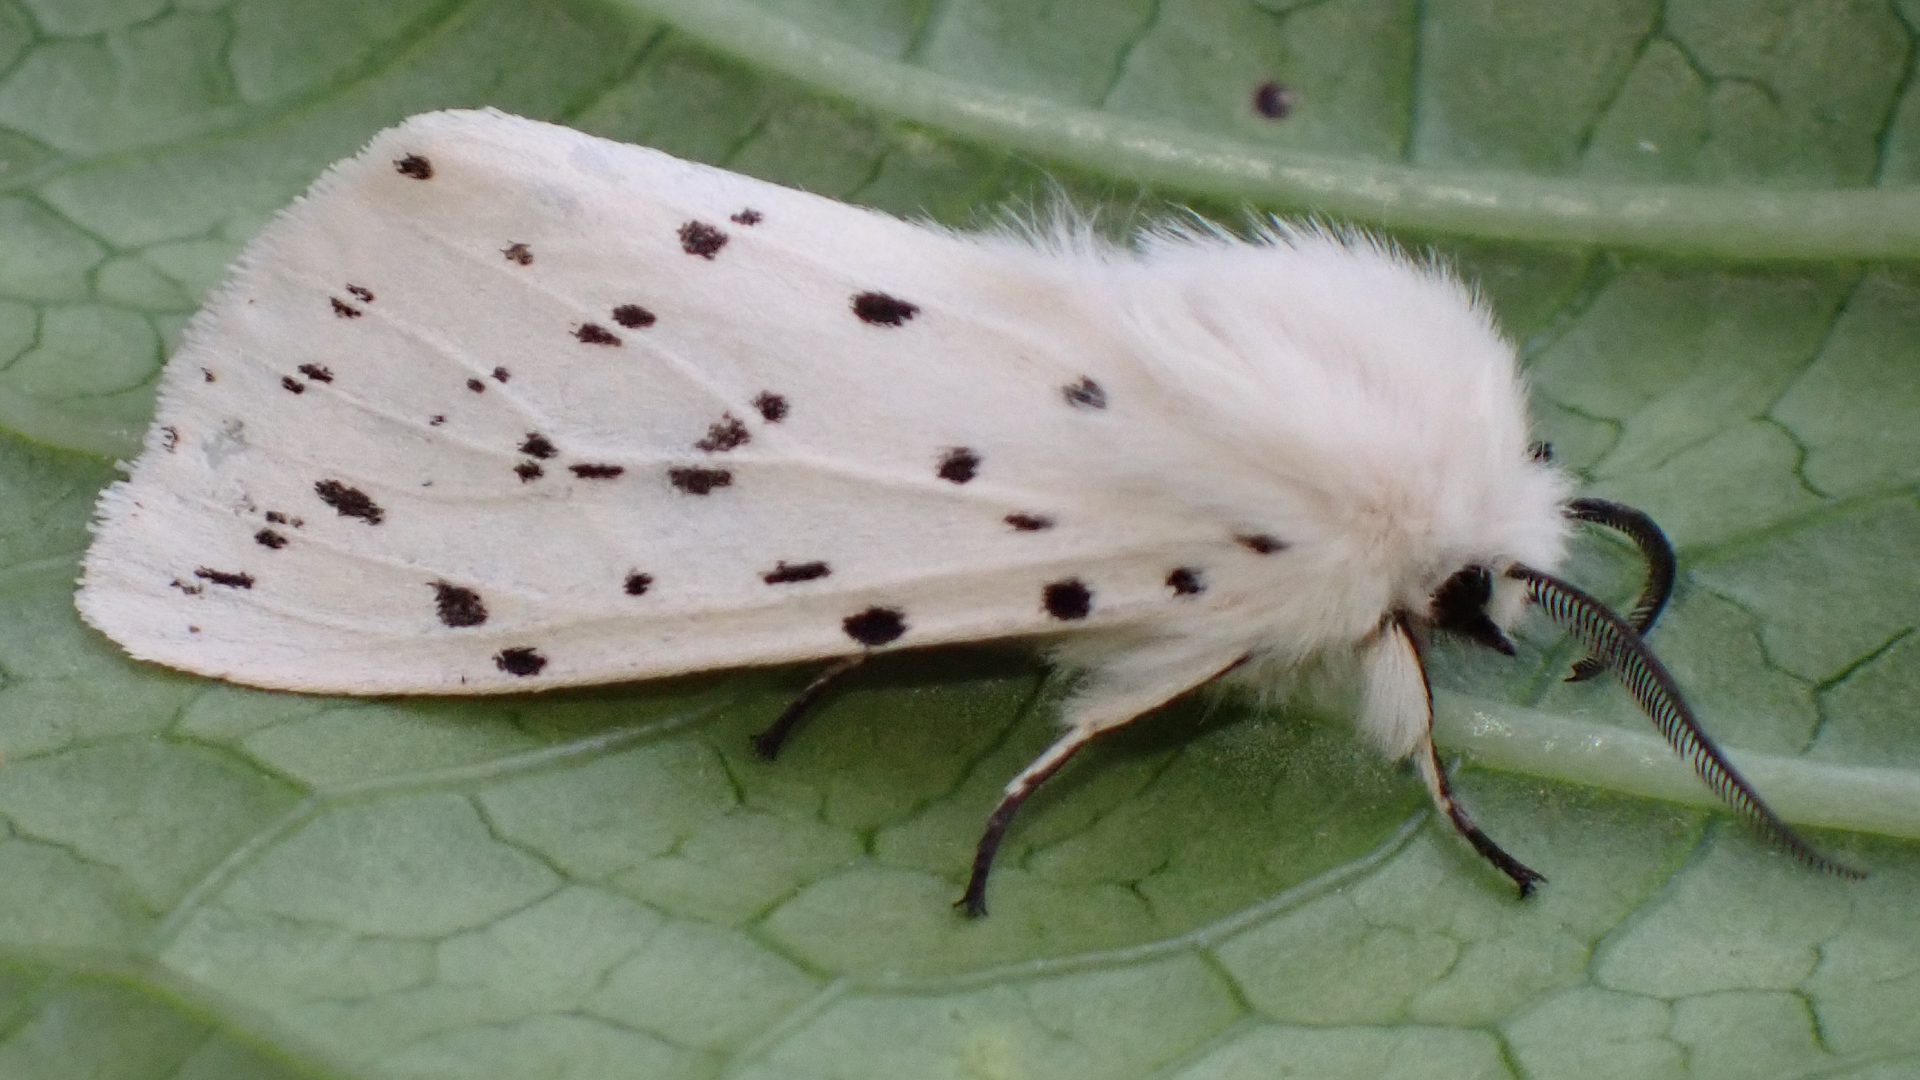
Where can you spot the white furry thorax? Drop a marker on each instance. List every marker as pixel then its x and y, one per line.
pixel 1362 400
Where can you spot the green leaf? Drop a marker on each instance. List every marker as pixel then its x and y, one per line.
pixel 1697 219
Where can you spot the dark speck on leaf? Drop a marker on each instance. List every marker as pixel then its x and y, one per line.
pixel 1273 101
pixel 415 166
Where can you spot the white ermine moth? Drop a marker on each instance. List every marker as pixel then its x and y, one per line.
pixel 499 406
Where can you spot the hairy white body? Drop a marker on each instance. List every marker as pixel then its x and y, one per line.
pixel 500 407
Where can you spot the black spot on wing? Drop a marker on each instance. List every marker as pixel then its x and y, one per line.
pixel 414 166
pixel 458 605
pixel 169 438
pixel 293 384
pixel 363 295
pixel 633 316
pixel 1260 543
pixel 724 434
pixel 206 375
pixel 476 386
pixel 517 252
pixel 595 334
pixel 696 481
pixel 702 239
pixel 190 590
pixel 1067 600
pixel 349 501
pixel 520 661
pixel 785 573
pixel 279 518
pixel 879 309
pixel 875 626
pixel 316 372
pixel 528 470
pixel 588 470
pixel 537 445
pixel 436 419
pixel 637 583
pixel 1085 394
pixel 748 216
pixel 269 539
pixel 344 309
pixel 959 465
pixel 772 406
pixel 501 375
pixel 1186 581
pixel 223 577
pixel 1029 522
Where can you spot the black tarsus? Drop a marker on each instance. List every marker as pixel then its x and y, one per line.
pixel 1524 876
pixel 1661 567
pixel 1614 641
pixel 767 743
pixel 973 902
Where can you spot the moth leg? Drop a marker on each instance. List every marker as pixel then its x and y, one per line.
pixel 974 901
pixel 1436 777
pixel 767 743
pixel 1396 710
pixel 1120 690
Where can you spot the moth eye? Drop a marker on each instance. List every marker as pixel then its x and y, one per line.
pixel 1463 597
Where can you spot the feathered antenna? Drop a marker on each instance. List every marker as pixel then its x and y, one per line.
pixel 1661 567
pixel 1614 643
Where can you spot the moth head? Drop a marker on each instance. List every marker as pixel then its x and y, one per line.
pixel 1462 606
